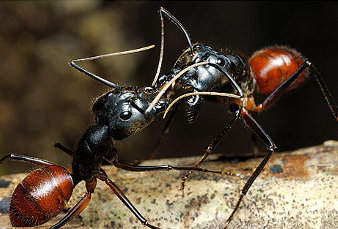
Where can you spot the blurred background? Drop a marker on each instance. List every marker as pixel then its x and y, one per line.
pixel 43 100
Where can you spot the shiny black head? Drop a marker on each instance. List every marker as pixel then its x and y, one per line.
pixel 123 110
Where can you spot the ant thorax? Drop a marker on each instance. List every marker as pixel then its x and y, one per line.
pixel 207 77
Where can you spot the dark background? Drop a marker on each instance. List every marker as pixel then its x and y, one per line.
pixel 44 101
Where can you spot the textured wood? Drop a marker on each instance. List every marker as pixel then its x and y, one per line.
pixel 296 190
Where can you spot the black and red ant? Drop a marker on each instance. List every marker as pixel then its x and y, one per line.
pixel 271 71
pixel 44 192
pixel 119 113
pixel 125 110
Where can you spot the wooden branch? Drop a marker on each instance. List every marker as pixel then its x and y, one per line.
pixel 296 190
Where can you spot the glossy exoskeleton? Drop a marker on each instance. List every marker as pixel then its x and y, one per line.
pixel 271 71
pixel 205 77
pixel 45 191
pixel 200 69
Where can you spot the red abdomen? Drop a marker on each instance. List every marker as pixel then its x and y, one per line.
pixel 40 196
pixel 272 65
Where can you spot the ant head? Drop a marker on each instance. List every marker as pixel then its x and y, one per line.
pixel 123 110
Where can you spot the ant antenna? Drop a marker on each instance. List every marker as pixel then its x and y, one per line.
pixel 180 26
pixel 199 93
pixel 161 52
pixel 98 78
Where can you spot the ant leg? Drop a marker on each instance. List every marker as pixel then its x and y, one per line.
pixel 65 149
pixel 32 160
pixel 80 206
pixel 118 192
pixel 278 92
pixel 76 210
pixel 210 148
pixel 145 168
pixel 271 147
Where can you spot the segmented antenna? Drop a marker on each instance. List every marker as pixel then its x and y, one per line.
pixel 161 52
pixel 180 26
pixel 98 78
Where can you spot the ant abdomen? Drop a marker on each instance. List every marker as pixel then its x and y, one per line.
pixel 272 65
pixel 40 196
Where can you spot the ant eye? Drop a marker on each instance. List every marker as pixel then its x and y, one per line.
pixel 125 115
pixel 221 61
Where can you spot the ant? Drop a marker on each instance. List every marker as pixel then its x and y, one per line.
pixel 201 70
pixel 119 113
pixel 42 195
pixel 271 71
pixel 125 110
